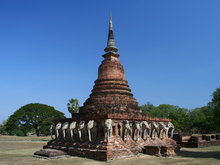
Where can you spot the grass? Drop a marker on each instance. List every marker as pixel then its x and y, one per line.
pixel 24 138
pixel 19 150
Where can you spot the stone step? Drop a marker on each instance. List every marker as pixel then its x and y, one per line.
pixel 50 153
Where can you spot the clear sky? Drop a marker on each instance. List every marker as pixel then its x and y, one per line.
pixel 50 50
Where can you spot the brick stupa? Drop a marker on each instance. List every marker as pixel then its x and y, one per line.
pixel 110 124
pixel 111 88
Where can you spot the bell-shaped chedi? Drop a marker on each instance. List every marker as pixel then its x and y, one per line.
pixel 111 92
pixel 110 125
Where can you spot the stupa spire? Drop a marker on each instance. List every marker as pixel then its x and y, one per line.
pixel 111 42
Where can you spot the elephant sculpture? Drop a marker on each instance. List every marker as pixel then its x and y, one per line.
pixel 162 129
pixel 166 129
pixel 126 130
pixel 120 129
pixel 154 130
pixel 64 128
pixel 107 127
pixel 72 128
pixel 145 129
pixel 57 128
pixel 52 128
pixel 171 129
pixel 80 127
pixel 136 130
pixel 91 128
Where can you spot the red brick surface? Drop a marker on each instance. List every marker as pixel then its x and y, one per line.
pixel 116 148
pixel 111 88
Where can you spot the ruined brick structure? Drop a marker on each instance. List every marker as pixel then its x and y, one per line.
pixel 110 124
pixel 189 140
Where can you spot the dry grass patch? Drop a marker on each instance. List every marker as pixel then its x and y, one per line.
pixel 7 146
pixel 24 138
pixel 19 151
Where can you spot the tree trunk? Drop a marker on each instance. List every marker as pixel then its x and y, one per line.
pixel 37 131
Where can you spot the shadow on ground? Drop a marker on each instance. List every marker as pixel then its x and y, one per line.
pixel 208 154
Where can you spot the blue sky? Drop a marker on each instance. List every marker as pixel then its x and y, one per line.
pixel 50 50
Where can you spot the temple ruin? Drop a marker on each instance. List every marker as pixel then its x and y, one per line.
pixel 110 125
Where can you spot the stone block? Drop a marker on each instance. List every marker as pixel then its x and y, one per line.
pixel 152 150
pixel 50 153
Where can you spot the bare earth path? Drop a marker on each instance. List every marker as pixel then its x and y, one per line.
pixel 19 151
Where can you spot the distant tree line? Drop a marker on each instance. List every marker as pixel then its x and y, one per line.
pixel 205 119
pixel 37 118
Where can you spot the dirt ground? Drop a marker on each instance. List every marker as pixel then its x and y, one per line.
pixel 19 150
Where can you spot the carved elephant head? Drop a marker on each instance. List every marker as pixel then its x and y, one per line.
pixel 57 128
pixel 72 128
pixel 64 128
pixel 91 126
pixel 107 126
pixel 52 128
pixel 80 126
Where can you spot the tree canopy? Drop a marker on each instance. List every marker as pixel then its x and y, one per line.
pixel 202 120
pixel 32 117
pixel 3 128
pixel 215 105
pixel 73 106
pixel 178 115
pixel 198 120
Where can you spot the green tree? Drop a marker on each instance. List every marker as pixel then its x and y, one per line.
pixel 3 128
pixel 215 105
pixel 34 116
pixel 73 106
pixel 179 116
pixel 202 120
pixel 150 109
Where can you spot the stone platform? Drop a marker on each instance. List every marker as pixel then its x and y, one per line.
pixel 50 153
pixel 126 135
pixel 116 148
